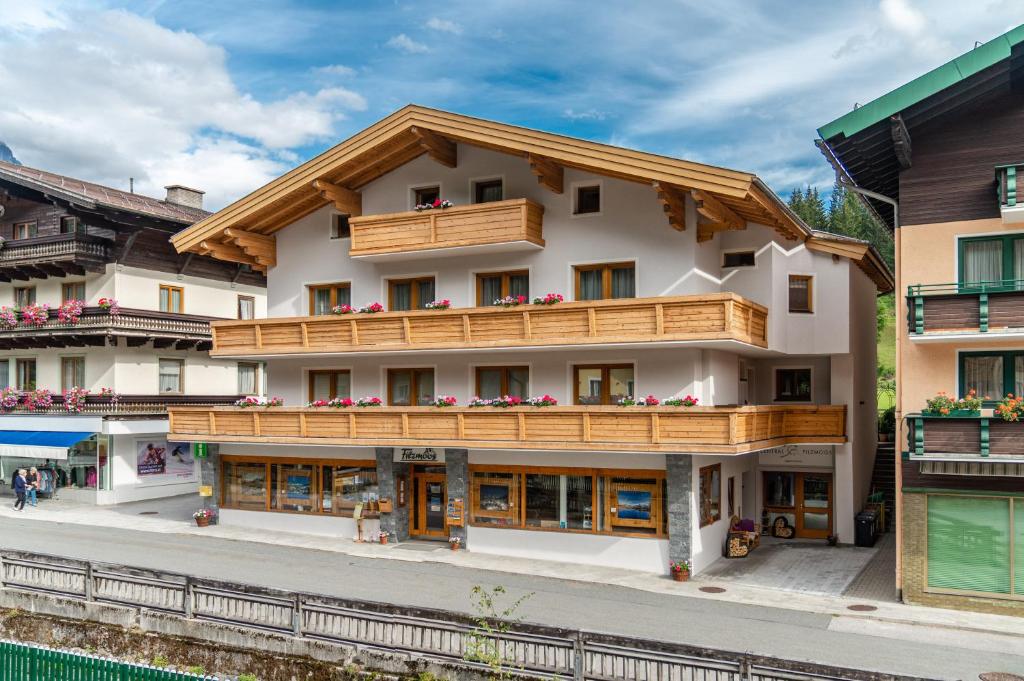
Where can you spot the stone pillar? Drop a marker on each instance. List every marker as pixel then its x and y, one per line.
pixel 456 463
pixel 209 470
pixel 679 476
pixel 395 523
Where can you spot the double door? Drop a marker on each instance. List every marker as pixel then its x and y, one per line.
pixel 805 500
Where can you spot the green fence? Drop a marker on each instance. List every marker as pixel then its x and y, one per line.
pixel 21 662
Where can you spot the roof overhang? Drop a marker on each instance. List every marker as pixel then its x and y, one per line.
pixel 861 253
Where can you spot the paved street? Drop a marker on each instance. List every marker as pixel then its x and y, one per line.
pixel 849 641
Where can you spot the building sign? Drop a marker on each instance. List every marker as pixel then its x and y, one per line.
pixel 200 450
pixel 813 456
pixel 456 512
pixel 420 455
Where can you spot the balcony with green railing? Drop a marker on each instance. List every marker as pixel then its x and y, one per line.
pixel 958 310
pixel 965 437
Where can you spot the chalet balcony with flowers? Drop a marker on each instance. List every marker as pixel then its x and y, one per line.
pixel 565 350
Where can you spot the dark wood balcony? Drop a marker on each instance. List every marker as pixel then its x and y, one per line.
pixel 963 309
pixel 56 255
pixel 1009 179
pixel 959 438
pixel 97 327
pixel 134 404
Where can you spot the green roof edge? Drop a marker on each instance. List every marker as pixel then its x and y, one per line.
pixel 936 80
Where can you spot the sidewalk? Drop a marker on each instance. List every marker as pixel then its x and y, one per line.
pixel 173 516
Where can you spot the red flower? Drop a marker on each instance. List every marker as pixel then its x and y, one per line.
pixel 437 203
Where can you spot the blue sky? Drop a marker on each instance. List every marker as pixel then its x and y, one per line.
pixel 227 95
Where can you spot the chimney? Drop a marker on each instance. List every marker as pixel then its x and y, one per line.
pixel 184 196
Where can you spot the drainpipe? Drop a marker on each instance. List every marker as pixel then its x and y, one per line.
pixel 846 182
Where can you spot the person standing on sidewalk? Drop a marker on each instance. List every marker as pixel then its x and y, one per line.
pixel 19 489
pixel 32 486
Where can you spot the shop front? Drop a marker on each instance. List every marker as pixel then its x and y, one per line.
pixel 797 491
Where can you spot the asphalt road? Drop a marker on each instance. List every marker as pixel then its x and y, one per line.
pixel 564 603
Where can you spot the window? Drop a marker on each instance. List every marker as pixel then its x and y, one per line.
pixel 485 191
pixel 246 307
pixel 569 500
pixel 245 485
pixel 410 387
pixel 248 378
pixel 24 295
pixel 69 224
pixel 171 371
pixel 345 487
pixel 5 373
pixel 73 291
pixel 25 230
pixel 738 259
pixel 710 494
pixel 326 385
pixel 793 385
pixel 26 370
pixel 494 382
pixel 601 282
pixel 340 229
pixel 172 298
pixel 997 261
pixel 323 297
pixel 602 383
pixel 587 199
pixel 72 372
pixel 300 486
pixel 410 294
pixel 495 285
pixel 425 195
pixel 801 292
pixel 992 374
pixel 730 495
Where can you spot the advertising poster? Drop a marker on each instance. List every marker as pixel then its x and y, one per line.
pixel 162 462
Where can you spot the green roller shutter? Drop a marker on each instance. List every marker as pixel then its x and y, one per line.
pixel 1018 543
pixel 969 543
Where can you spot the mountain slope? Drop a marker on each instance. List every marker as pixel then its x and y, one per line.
pixel 7 155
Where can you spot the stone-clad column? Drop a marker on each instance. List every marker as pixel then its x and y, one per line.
pixel 679 475
pixel 395 523
pixel 209 470
pixel 456 463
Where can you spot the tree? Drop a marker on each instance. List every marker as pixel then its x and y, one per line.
pixel 809 206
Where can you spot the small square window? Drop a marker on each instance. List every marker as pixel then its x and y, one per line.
pixel 340 228
pixel 792 385
pixel 487 191
pixel 801 293
pixel 69 224
pixel 588 200
pixel 738 259
pixel 424 195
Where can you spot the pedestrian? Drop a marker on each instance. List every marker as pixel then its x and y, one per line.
pixel 32 481
pixel 19 489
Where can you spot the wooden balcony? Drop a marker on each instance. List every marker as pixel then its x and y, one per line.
pixel 729 430
pixel 132 404
pixel 715 316
pixel 97 326
pixel 956 310
pixel 965 438
pixel 499 226
pixel 1009 180
pixel 55 255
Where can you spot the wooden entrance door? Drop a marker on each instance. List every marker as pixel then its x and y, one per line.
pixel 814 505
pixel 431 505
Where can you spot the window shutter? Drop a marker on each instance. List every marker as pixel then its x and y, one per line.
pixel 969 544
pixel 1018 544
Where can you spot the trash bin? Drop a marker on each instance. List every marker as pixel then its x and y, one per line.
pixel 865 524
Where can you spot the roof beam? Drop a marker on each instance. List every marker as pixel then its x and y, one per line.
pixel 549 173
pixel 716 211
pixel 673 201
pixel 263 249
pixel 229 252
pixel 900 140
pixel 707 230
pixel 439 148
pixel 345 200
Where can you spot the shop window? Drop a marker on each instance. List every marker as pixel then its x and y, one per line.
pixel 25 230
pixel 738 259
pixel 300 486
pixel 992 374
pixel 604 282
pixel 340 228
pixel 72 372
pixel 587 199
pixel 602 383
pixel 246 307
pixel 493 286
pixel 171 375
pixel 495 382
pixel 496 499
pixel 326 385
pixel 485 191
pixel 172 299
pixel 993 261
pixel 410 387
pixel 801 293
pixel 559 501
pixel 410 294
pixel 324 297
pixel 710 494
pixel 344 488
pixel 248 378
pixel 793 385
pixel 24 295
pixel 293 487
pixel 26 374
pixel 974 543
pixel 72 291
pixel 245 485
pixel 424 195
pixel 633 505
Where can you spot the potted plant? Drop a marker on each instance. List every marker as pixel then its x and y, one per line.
pixel 680 570
pixel 887 425
pixel 382 537
pixel 203 516
pixel 454 543
pixel 943 405
pixel 1010 408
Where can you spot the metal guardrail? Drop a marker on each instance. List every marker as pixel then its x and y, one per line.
pixel 438 635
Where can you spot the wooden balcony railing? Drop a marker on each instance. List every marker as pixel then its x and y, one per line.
pixel 516 223
pixel 977 307
pixel 730 430
pixel 131 404
pixel 965 438
pixel 56 254
pixel 715 316
pixel 96 325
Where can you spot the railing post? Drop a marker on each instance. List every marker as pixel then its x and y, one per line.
pixel 187 598
pixel 918 432
pixel 578 657
pixel 919 314
pixel 1011 186
pixel 984 437
pixel 297 616
pixel 88 582
pixel 983 312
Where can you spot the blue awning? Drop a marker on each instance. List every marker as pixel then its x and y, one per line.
pixel 39 444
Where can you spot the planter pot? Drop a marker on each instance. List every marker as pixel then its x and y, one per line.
pixel 454 547
pixel 203 522
pixel 383 540
pixel 681 575
pixel 962 413
pixel 883 437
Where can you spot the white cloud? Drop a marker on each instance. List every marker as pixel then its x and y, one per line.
pixel 900 15
pixel 444 25
pixel 587 115
pixel 107 95
pixel 339 70
pixel 406 44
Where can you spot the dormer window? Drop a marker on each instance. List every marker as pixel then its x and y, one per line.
pixel 340 228
pixel 485 191
pixel 424 195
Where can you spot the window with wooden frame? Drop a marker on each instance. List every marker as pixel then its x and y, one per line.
pixel 325 297
pixel 171 375
pixel 25 374
pixel 24 295
pixel 605 281
pixel 330 383
pixel 739 259
pixel 492 286
pixel 485 191
pixel 72 372
pixel 730 495
pixel 425 195
pixel 340 228
pixel 25 230
pixel 793 384
pixel 72 291
pixel 172 298
pixel 410 294
pixel 246 307
pixel 495 382
pixel 248 378
pixel 410 387
pixel 710 494
pixel 602 383
pixel 69 224
pixel 597 501
pixel 801 293
pixel 586 199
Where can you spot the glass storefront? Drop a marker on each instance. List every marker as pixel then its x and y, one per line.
pixel 300 486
